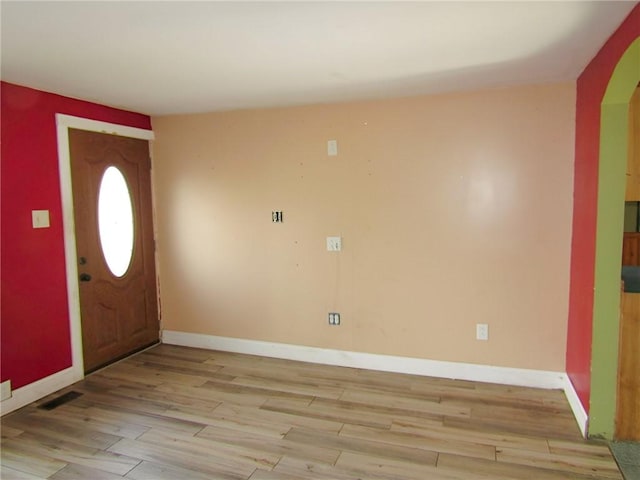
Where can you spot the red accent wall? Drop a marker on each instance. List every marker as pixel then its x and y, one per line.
pixel 34 329
pixel 591 87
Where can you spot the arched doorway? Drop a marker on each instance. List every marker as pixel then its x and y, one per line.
pixel 611 187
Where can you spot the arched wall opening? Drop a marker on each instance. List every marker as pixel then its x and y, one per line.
pixel 610 212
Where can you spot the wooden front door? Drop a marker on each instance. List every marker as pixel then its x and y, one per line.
pixel 628 393
pixel 111 183
pixel 628 399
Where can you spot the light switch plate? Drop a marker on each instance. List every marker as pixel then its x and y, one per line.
pixel 334 244
pixel 40 218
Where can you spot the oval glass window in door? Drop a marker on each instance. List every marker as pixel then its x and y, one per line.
pixel 115 221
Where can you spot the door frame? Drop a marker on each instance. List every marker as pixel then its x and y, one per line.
pixel 63 124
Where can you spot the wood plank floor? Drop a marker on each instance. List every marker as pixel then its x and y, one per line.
pixel 182 413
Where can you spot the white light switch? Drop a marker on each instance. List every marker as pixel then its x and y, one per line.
pixel 334 244
pixel 332 148
pixel 40 218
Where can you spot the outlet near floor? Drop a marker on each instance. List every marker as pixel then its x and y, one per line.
pixel 5 390
pixel 334 318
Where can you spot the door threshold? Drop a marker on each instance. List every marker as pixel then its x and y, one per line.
pixel 122 357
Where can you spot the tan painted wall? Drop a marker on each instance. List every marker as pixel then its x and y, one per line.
pixel 454 210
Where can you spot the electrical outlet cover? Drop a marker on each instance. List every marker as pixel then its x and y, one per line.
pixel 332 148
pixel 5 390
pixel 482 331
pixel 334 244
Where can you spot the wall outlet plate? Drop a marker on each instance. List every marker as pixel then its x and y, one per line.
pixel 334 244
pixel 334 318
pixel 332 148
pixel 5 390
pixel 482 331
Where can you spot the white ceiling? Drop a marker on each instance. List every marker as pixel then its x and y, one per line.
pixel 167 57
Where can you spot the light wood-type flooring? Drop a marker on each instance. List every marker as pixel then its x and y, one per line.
pixel 182 413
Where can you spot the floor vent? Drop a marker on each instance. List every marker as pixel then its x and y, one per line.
pixel 61 400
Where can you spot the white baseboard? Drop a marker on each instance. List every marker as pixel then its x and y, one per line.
pixel 371 361
pixel 38 389
pixel 388 363
pixel 576 406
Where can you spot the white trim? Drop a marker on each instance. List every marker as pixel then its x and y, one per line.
pixel 38 389
pixel 70 254
pixel 69 121
pixel 63 124
pixel 388 363
pixel 576 406
pixel 371 361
